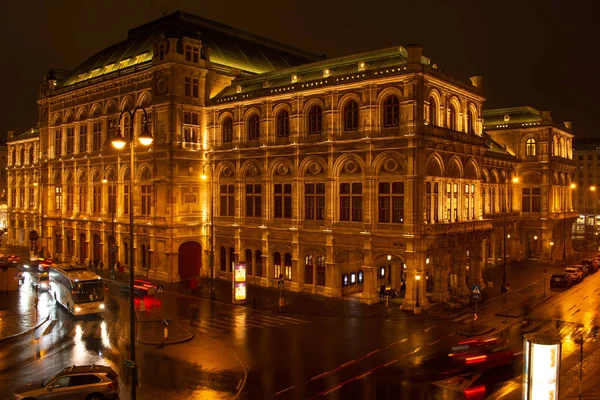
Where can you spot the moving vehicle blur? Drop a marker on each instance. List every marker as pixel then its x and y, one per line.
pixel 487 353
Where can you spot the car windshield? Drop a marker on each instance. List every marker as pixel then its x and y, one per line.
pixel 85 292
pixel 47 381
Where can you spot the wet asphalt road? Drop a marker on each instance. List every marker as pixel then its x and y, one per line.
pixel 239 352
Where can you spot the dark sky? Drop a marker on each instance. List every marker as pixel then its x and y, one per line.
pixel 538 53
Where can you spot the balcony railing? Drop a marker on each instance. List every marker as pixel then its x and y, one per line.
pixel 455 227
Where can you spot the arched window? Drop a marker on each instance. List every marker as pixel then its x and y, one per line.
pixel 145 255
pixel 258 262
pixel 253 127
pixel 321 271
pixel 351 116
pixel 530 147
pixel 308 269
pixel 470 123
pixel 31 158
pixel 391 112
pixel 248 257
pixel 315 120
pixel 146 192
pixel 223 259
pixel 288 267
pixel 277 265
pixel 57 143
pixel 22 156
pixel 453 118
pixel 227 130
pixel 433 111
pixel 283 124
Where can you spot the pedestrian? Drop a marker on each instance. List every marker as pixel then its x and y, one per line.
pixel 142 306
pixel 193 284
pixel 119 268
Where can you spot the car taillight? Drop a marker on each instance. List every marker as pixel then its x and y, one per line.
pixel 112 385
pixel 476 359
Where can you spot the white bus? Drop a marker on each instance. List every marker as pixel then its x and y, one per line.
pixel 77 289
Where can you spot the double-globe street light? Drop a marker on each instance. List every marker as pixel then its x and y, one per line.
pixel 119 142
pixel 211 257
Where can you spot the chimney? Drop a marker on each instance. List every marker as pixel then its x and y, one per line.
pixel 11 133
pixel 477 81
pixel 568 125
pixel 546 117
pixel 414 53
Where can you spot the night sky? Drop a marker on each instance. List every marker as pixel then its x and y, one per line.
pixel 538 53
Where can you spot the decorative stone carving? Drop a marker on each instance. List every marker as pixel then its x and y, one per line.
pixel 227 172
pixel 253 170
pixel 390 165
pixel 350 167
pixel 282 170
pixel 315 168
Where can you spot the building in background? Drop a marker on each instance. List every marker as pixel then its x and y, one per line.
pixel 3 190
pixel 336 176
pixel 24 188
pixel 586 153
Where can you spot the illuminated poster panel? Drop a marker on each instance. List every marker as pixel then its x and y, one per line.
pixel 541 367
pixel 239 283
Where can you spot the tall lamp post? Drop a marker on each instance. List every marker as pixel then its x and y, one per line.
pixel 571 187
pixel 119 142
pixel 506 236
pixel 211 257
pixel 417 309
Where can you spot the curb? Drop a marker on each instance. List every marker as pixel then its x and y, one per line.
pixel 26 331
pixel 167 342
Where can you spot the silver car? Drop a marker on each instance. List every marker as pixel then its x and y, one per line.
pixel 85 382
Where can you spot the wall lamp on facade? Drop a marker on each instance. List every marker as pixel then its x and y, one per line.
pixel 535 237
pixel 508 236
pixel 427 260
pixel 365 233
pixel 389 257
pixel 263 226
pixel 593 188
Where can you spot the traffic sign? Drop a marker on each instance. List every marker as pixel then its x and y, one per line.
pixel 459 382
pixel 475 317
pixel 160 289
pixel 166 322
pixel 129 363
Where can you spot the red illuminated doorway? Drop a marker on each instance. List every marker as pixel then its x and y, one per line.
pixel 190 260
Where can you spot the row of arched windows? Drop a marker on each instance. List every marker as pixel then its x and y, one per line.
pixel 23 159
pixel 453 116
pixel 350 120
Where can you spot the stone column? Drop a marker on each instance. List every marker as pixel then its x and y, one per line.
pixel 370 294
pixel 297 284
pixel 475 270
pixel 416 266
pixel 440 283
pixel 461 271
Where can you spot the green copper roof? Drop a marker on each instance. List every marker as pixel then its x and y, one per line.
pixel 513 115
pixel 229 47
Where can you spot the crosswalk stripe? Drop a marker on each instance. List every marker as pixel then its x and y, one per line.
pixel 265 322
pixel 207 326
pixel 88 331
pixel 281 319
pixel 296 320
pixel 249 323
pixel 49 327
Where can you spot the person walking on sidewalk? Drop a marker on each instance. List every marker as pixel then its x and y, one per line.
pixel 193 284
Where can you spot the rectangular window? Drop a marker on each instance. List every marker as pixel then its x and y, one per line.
pixel 57 198
pixel 22 197
pixel 97 199
pixel 195 88
pixel 57 143
pixel 70 196
pixel 146 193
pixel 535 200
pixel 188 87
pixel 226 196
pixel 70 140
pixel 83 138
pixel 97 133
pixel 321 271
pixel 314 201
pixel 254 200
pixel 112 199
pixel 436 204
pixel 526 200
pixel 188 53
pixel 126 199
pixel 195 54
pixel 351 202
pixel 31 197
pixel 398 202
pixel 83 198
pixel 282 194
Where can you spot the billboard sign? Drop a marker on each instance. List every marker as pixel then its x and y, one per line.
pixel 541 367
pixel 239 283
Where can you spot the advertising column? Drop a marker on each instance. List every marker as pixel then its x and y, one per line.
pixel 239 283
pixel 541 367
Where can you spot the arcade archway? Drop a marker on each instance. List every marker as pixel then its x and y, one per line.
pixel 190 260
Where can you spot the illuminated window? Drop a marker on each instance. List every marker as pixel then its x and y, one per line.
pixel 433 120
pixel 530 147
pixel 391 112
pixel 315 120
pixel 351 116
pixel 308 269
pixel 58 197
pixel 227 130
pixel 283 124
pixel 288 267
pixel 277 265
pixel 253 127
pixel 321 271
pixel 453 118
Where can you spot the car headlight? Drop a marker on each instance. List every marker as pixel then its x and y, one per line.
pixel 25 266
pixel 102 306
pixel 77 309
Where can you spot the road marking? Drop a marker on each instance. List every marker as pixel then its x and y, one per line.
pixel 373 352
pixel 432 343
pixel 576 311
pixel 238 385
pixel 585 297
pixel 284 390
pixel 574 305
pixel 390 363
pixel 332 390
pixel 403 340
pixel 348 363
pixel 430 328
pixel 319 376
pixel 363 375
pixel 451 334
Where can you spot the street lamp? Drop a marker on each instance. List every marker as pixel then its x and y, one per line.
pixel 389 257
pixel 571 187
pixel 585 235
pixel 118 142
pixel 211 258
pixel 551 250
pixel 506 237
pixel 417 309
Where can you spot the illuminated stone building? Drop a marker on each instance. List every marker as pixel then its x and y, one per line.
pixel 339 175
pixel 586 153
pixel 22 169
pixel 3 187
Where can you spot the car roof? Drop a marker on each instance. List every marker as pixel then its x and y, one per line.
pixel 571 268
pixel 80 369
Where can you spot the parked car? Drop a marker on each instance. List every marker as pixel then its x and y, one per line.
pixel 85 382
pixel 591 264
pixel 561 281
pixel 576 273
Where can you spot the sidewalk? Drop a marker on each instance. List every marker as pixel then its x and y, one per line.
pixel 265 299
pixel 151 330
pixel 18 316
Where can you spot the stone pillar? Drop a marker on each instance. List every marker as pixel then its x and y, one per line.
pixel 267 261
pixel 475 270
pixel 416 263
pixel 370 294
pixel 297 284
pixel 396 273
pixel 440 283
pixel 461 271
